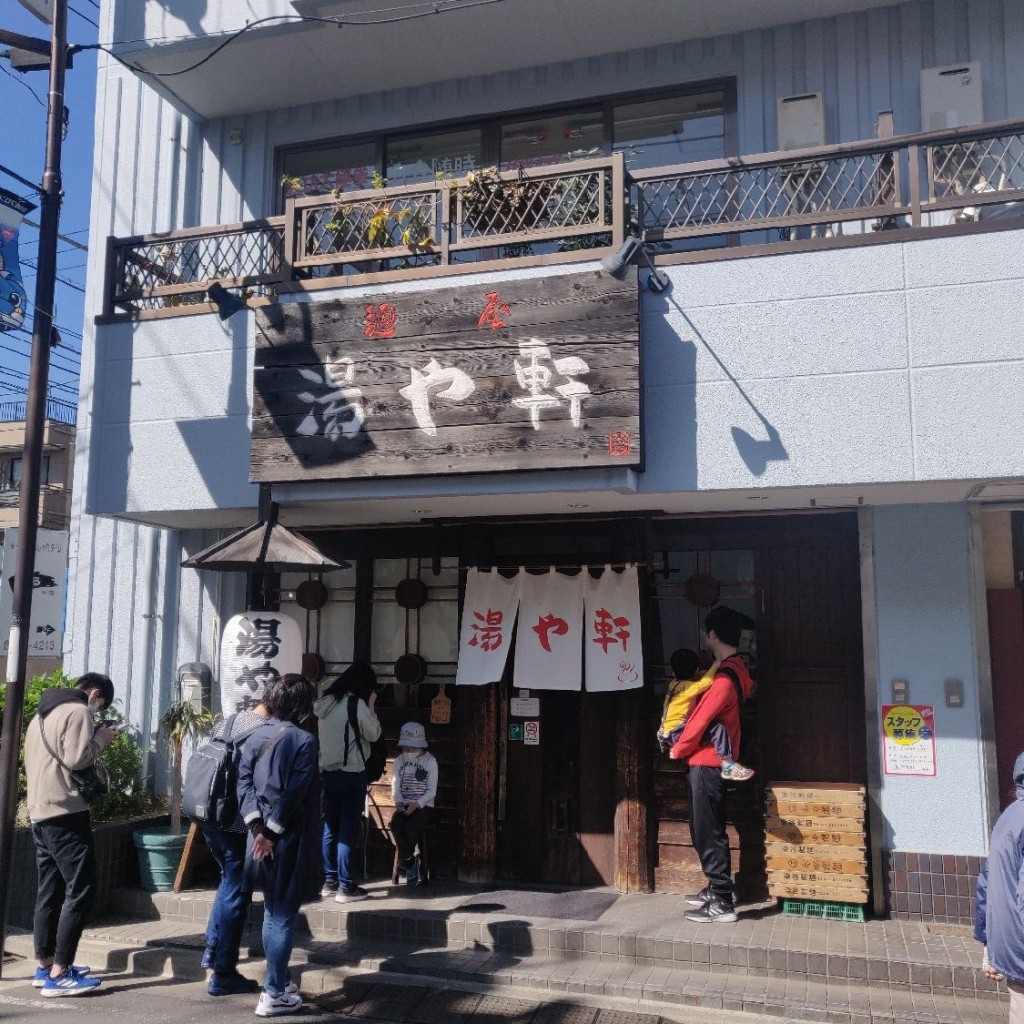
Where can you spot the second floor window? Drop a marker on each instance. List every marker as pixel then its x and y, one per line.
pixel 14 471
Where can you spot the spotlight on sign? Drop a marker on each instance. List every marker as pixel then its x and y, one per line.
pixel 227 303
pixel 634 250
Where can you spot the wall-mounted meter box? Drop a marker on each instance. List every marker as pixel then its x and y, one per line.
pixel 801 121
pixel 195 683
pixel 951 96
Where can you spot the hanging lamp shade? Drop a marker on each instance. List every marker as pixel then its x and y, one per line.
pixel 264 547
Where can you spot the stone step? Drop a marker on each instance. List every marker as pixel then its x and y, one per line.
pixel 889 956
pixel 390 982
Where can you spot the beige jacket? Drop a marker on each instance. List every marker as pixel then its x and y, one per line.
pixel 334 723
pixel 69 731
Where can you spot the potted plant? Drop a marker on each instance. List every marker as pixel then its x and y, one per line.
pixel 492 204
pixel 160 849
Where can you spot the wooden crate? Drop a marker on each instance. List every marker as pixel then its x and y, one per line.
pixel 815 842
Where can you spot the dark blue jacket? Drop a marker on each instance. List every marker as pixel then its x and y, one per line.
pixel 281 788
pixel 999 915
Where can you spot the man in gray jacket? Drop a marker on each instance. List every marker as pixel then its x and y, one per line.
pixel 998 916
pixel 62 738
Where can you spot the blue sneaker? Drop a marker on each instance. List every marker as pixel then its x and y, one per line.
pixel 207 962
pixel 42 973
pixel 70 983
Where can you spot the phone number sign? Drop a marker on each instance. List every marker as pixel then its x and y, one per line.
pixel 908 739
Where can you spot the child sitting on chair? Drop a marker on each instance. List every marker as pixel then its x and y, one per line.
pixel 413 787
pixel 684 690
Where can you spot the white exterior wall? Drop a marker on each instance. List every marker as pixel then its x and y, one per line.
pixel 926 635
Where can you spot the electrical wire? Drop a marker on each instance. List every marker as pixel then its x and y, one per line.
pixel 423 10
pixel 56 351
pixel 53 366
pixel 84 17
pixel 22 82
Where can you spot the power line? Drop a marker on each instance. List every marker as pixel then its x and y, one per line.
pixel 28 355
pixel 22 82
pixel 22 336
pixel 423 10
pixel 84 17
pixel 63 238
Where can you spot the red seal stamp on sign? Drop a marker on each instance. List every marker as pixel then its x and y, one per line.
pixel 619 443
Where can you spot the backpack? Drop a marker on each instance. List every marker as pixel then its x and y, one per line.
pixel 210 793
pixel 376 761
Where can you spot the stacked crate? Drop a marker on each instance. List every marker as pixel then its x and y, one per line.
pixel 816 842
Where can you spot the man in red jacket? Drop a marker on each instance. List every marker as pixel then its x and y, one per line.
pixel 721 703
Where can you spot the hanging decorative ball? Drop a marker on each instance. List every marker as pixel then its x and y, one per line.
pixel 411 593
pixel 410 668
pixel 311 595
pixel 702 590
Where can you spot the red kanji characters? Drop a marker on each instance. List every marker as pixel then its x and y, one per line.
pixel 619 443
pixel 493 312
pixel 380 321
pixel 605 625
pixel 550 623
pixel 487 633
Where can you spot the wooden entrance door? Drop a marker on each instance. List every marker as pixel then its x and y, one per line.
pixel 557 798
pixel 799 579
pixel 810 658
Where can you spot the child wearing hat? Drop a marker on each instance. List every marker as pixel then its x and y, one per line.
pixel 413 787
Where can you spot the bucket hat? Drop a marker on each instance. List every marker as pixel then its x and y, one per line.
pixel 413 735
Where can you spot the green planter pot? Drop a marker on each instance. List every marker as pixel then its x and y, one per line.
pixel 159 855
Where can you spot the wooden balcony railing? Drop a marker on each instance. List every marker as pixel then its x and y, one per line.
pixel 579 211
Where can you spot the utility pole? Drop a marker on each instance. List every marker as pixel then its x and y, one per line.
pixel 35 417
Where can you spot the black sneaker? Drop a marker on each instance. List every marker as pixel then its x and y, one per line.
pixel 412 872
pixel 351 893
pixel 716 910
pixel 230 983
pixel 329 889
pixel 698 899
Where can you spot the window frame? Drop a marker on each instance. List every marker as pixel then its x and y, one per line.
pixel 490 126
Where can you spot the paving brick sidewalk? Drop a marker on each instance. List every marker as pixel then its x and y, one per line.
pixel 640 949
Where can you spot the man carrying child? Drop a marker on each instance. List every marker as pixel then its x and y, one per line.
pixel 720 704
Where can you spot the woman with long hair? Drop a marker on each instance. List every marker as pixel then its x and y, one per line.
pixel 348 726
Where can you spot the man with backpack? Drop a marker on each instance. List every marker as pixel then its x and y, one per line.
pixel 722 703
pixel 210 797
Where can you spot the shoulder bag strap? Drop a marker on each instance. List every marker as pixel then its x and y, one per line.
pixel 52 752
pixel 733 675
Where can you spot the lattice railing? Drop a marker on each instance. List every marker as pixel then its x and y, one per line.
pixel 975 171
pixel 578 211
pixel 176 268
pixel 813 188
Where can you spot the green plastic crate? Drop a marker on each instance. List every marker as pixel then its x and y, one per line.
pixel 823 908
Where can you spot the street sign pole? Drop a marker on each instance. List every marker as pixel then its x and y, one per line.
pixel 35 425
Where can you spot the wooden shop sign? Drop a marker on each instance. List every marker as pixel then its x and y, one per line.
pixel 777 849
pixel 785 832
pixel 830 792
pixel 815 824
pixel 525 375
pixel 817 865
pixel 814 809
pixel 799 891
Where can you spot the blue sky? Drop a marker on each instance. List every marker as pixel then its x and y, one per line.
pixel 23 150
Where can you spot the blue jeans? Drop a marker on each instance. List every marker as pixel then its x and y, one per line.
pixel 231 904
pixel 279 917
pixel 344 802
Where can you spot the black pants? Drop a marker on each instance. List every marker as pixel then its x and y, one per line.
pixel 66 865
pixel 707 828
pixel 407 829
